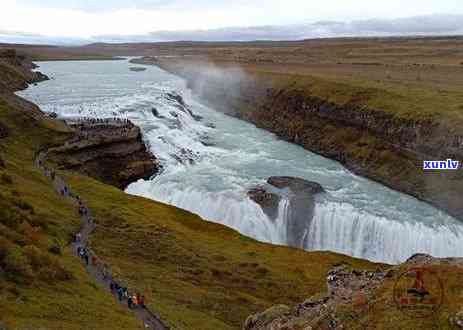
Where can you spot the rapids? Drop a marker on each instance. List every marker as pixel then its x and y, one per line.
pixel 210 163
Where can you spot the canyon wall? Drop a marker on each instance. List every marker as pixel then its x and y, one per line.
pixel 383 146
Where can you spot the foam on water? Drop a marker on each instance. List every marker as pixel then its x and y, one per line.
pixel 209 171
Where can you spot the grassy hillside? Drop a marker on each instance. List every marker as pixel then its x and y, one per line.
pixel 41 284
pixel 385 302
pixel 199 275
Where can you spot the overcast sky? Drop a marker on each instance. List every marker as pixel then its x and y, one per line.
pixel 152 20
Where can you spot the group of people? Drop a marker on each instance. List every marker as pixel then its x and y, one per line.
pixel 96 127
pixel 82 209
pixel 133 300
pixel 90 122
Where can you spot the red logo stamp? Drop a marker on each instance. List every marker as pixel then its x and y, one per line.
pixel 418 292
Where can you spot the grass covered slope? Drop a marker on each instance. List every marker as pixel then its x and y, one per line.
pixel 198 275
pixel 42 285
pixel 360 300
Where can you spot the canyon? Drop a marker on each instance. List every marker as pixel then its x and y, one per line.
pixel 379 144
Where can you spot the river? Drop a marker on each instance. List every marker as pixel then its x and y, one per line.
pixel 210 164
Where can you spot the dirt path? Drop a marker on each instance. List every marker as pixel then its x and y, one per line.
pixel 98 271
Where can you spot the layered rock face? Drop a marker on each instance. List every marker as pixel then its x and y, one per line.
pixel 377 144
pixel 298 210
pixel 17 71
pixel 109 150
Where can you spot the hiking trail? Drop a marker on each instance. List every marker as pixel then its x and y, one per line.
pixel 98 271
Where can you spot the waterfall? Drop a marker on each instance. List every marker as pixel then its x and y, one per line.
pixel 342 228
pixel 209 170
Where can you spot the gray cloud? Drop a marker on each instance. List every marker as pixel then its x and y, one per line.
pixel 419 25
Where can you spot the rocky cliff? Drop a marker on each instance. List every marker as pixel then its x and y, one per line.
pixel 109 150
pixel 17 71
pixel 409 296
pixel 384 146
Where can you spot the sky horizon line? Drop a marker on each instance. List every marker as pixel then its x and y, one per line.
pixel 413 26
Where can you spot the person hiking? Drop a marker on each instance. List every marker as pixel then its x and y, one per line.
pixel 134 301
pixel 94 260
pixel 78 237
pixel 125 292
pixel 82 253
pixel 120 294
pixel 142 301
pixel 116 286
pixel 129 302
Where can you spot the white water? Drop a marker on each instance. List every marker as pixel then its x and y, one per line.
pixel 357 217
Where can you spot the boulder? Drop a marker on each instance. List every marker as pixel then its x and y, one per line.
pixel 268 201
pixel 264 319
pixel 137 69
pixel 177 98
pixel 299 210
pixel 296 185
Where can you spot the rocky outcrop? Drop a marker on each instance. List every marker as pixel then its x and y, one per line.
pixel 178 102
pixel 108 150
pixel 299 198
pixel 296 185
pixel 137 69
pixel 16 70
pixel 368 299
pixel 268 201
pixel 149 60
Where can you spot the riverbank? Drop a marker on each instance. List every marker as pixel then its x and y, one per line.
pixel 379 134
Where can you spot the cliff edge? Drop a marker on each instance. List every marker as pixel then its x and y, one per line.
pixel 109 150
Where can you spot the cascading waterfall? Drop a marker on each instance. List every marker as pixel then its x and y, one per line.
pixel 209 170
pixel 341 228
